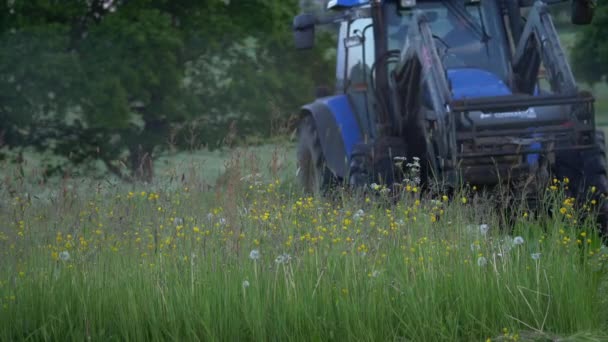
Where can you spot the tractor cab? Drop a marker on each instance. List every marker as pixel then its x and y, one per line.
pixel 473 47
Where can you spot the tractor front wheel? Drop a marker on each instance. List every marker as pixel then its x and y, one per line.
pixel 312 173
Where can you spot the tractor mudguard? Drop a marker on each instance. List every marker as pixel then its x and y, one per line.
pixel 338 130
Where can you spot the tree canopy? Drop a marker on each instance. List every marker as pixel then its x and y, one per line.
pixel 590 53
pixel 114 80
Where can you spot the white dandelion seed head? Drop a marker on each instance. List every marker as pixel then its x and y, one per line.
pixel 475 247
pixel 482 261
pixel 375 274
pixel 178 221
pixel 283 259
pixel 359 214
pixel 518 240
pixel 64 256
pixel 210 216
pixel 222 221
pixel 484 228
pixel 245 284
pixel 535 256
pixel 254 254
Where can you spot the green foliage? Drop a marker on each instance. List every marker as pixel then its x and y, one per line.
pixel 258 78
pixel 131 59
pixel 106 80
pixel 590 52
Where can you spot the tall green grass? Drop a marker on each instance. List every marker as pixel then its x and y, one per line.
pixel 253 259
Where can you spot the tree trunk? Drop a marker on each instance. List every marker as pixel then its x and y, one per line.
pixel 142 146
pixel 142 165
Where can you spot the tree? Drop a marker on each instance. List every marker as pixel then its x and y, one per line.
pixel 108 68
pixel 110 80
pixel 590 52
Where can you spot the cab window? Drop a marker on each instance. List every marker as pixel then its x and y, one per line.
pixel 359 45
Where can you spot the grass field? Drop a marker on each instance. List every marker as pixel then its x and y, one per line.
pixel 245 256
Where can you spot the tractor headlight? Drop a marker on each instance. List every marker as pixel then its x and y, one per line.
pixel 407 3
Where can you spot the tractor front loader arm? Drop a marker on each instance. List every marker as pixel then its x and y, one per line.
pixel 539 42
pixel 419 67
pixel 419 80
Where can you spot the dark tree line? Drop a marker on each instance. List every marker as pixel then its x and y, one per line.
pixel 115 80
pixel 590 53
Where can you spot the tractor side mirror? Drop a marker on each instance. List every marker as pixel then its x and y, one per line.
pixel 581 12
pixel 304 31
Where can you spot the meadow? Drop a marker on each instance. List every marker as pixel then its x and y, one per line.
pixel 237 252
pixel 224 246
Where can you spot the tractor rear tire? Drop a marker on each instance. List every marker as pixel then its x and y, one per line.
pixel 597 162
pixel 313 174
pixel 586 170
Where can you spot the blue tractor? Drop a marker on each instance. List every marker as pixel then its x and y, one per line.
pixel 480 91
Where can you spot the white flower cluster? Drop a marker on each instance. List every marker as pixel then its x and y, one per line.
pixel 253 179
pixel 359 215
pixel 283 259
pixel 380 188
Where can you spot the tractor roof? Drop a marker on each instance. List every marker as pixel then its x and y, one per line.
pixel 339 4
pixel 335 4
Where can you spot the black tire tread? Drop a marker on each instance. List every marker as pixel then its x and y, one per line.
pixel 309 143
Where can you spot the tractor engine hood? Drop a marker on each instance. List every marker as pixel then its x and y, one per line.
pixel 469 83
